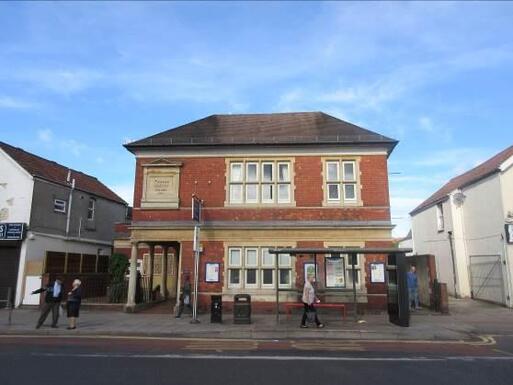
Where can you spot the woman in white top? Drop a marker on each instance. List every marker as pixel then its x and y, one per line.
pixel 309 299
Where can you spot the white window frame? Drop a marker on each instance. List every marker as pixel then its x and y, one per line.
pixel 273 264
pixel 241 164
pixel 440 220
pixel 342 181
pixel 246 251
pixel 257 174
pixel 251 285
pixel 268 183
pixel 260 184
pixel 60 202
pixel 337 164
pixel 235 266
pixel 330 199
pixel 357 267
pixel 91 210
pixel 268 285
pixel 278 164
pixel 273 178
pixel 255 186
pixel 355 197
pixel 281 200
pixel 286 267
pixel 353 163
pixel 238 185
pixel 285 286
pixel 239 249
pixel 241 277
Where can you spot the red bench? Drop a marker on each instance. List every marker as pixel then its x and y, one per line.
pixel 292 305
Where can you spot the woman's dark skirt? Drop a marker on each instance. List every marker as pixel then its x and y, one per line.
pixel 73 309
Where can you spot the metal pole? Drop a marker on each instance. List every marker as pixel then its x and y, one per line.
pixel 355 303
pixel 315 269
pixel 276 261
pixel 196 275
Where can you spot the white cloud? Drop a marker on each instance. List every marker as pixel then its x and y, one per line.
pixel 73 146
pixel 7 102
pixel 454 158
pixel 45 135
pixel 61 81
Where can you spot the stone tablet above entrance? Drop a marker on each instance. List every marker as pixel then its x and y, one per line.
pixel 161 184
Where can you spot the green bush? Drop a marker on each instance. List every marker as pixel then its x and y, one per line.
pixel 118 266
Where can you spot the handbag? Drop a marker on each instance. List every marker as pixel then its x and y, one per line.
pixel 186 299
pixel 310 316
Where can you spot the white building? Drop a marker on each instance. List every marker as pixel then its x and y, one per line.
pixel 54 221
pixel 468 226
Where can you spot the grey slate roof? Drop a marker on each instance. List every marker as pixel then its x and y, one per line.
pixel 269 129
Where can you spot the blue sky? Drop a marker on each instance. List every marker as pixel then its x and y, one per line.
pixel 79 79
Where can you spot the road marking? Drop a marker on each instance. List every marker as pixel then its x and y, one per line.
pixel 327 345
pixel 122 337
pixel 220 346
pixel 503 352
pixel 275 358
pixel 485 341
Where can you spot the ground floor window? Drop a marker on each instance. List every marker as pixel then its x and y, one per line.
pixel 254 267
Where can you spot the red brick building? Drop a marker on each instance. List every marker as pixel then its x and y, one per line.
pixel 266 180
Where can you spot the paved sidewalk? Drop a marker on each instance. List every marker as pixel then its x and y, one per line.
pixel 467 320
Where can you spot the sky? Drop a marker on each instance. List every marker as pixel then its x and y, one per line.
pixel 77 80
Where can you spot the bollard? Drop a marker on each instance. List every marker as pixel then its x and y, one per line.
pixel 9 306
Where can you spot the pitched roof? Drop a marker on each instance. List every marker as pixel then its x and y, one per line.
pixel 268 129
pixel 472 176
pixel 54 172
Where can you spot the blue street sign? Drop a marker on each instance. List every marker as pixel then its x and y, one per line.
pixel 12 231
pixel 196 209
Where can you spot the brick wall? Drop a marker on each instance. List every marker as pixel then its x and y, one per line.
pixel 374 180
pixel 206 177
pixel 308 181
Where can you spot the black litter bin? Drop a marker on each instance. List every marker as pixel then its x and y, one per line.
pixel 242 309
pixel 216 309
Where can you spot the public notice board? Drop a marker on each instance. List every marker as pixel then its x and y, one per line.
pixel 335 272
pixel 377 272
pixel 12 231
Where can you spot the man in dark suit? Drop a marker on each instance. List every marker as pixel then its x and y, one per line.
pixel 54 292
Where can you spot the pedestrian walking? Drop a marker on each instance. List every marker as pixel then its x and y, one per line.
pixel 52 302
pixel 413 288
pixel 309 299
pixel 185 299
pixel 73 304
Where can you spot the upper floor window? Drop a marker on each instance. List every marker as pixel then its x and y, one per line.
pixel 59 206
pixel 440 217
pixel 91 209
pixel 341 181
pixel 260 182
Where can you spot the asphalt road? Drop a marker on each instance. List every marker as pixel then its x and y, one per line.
pixel 77 361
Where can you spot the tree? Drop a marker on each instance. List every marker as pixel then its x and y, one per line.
pixel 118 266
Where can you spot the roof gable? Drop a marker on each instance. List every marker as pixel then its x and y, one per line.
pixel 48 170
pixel 269 129
pixel 468 178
